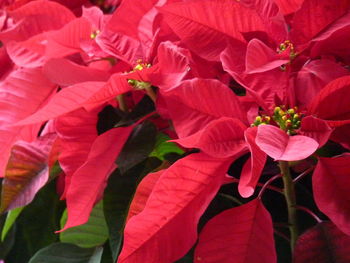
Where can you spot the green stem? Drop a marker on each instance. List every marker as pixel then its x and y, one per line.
pixel 122 103
pixel 289 193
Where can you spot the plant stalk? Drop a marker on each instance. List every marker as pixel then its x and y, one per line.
pixel 289 193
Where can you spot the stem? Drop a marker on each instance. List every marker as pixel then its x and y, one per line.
pixel 308 211
pixel 303 174
pixel 267 184
pixel 289 193
pixel 122 103
pixel 150 92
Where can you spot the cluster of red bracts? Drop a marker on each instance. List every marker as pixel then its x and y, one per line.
pixel 62 63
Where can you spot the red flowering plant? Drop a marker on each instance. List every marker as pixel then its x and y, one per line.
pixel 174 131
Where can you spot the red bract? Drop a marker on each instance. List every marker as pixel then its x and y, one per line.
pixel 245 235
pixel 84 191
pixel 331 186
pixel 167 227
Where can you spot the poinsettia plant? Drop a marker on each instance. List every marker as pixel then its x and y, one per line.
pixel 168 131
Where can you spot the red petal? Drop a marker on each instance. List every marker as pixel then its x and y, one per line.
pixel 314 16
pixel 197 102
pixel 222 138
pixel 206 26
pixel 169 221
pixel 75 148
pixel 67 100
pixel 322 244
pixel 260 58
pixel 67 40
pixel 252 169
pixel 312 78
pixel 289 6
pixel 280 146
pixel 22 93
pixel 65 73
pixel 316 129
pixel 143 191
pixel 242 234
pixel 336 93
pixel 89 180
pixel 330 183
pixel 26 172
pixel 34 18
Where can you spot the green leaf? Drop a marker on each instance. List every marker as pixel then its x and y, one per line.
pixel 36 225
pixel 67 253
pixel 91 234
pixel 138 147
pixel 163 147
pixel 117 198
pixel 10 219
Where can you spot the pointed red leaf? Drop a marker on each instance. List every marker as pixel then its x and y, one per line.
pixel 260 58
pixel 324 243
pixel 197 102
pixel 89 181
pixel 174 64
pixel 205 26
pixel 316 129
pixel 337 93
pixel 22 93
pixel 168 223
pixel 143 191
pixel 315 75
pixel 26 172
pixel 330 183
pixel 34 18
pixel 120 46
pixel 221 138
pixel 242 234
pixel 313 16
pixel 280 146
pixel 75 148
pixel 67 40
pixel 28 53
pixel 289 6
pixel 253 167
pixel 67 100
pixel 65 73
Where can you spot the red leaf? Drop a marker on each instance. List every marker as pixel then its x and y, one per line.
pixel 197 102
pixel 168 223
pixel 253 167
pixel 222 138
pixel 206 26
pixel 315 75
pixel 289 6
pixel 316 129
pixel 314 16
pixel 28 53
pixel 324 243
pixel 26 172
pixel 174 64
pixel 75 148
pixel 260 58
pixel 67 100
pixel 242 234
pixel 89 180
pixel 337 93
pixel 330 183
pixel 143 191
pixel 65 73
pixel 66 41
pixel 280 146
pixel 34 18
pixel 22 93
